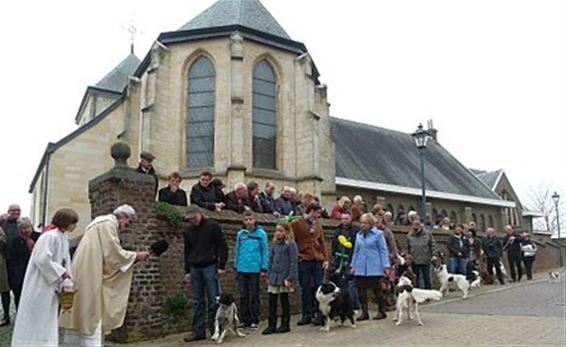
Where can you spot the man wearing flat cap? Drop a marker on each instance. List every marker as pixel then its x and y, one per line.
pixel 206 253
pixel 146 163
pixel 145 166
pixel 102 272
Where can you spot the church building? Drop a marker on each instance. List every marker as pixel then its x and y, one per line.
pixel 231 92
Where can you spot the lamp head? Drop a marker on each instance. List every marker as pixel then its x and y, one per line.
pixel 421 137
pixel 555 197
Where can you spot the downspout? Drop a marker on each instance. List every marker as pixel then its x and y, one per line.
pixel 45 187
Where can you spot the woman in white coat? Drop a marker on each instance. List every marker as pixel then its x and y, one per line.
pixel 49 265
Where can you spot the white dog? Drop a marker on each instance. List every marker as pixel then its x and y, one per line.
pixel 409 299
pixel 553 276
pixel 226 318
pixel 447 279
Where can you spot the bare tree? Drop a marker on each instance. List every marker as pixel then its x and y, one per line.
pixel 540 200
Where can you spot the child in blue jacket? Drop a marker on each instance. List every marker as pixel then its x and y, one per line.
pixel 250 259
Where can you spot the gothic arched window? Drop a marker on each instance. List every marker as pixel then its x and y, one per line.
pixel 200 113
pixel 264 116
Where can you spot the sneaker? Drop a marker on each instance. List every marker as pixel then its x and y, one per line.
pixel 193 337
pixel 253 326
pixel 304 321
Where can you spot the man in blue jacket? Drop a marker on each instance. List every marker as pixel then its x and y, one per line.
pixel 251 254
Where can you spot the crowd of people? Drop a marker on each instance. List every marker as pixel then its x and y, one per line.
pixel 364 253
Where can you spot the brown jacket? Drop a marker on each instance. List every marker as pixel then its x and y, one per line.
pixel 311 245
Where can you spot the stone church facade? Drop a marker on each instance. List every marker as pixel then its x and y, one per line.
pixel 232 93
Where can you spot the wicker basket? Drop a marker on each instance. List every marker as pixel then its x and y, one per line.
pixel 66 300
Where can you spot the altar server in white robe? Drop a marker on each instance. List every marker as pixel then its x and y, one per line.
pixel 103 277
pixel 37 318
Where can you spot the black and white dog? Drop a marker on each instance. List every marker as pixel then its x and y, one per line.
pixel 334 302
pixel 226 318
pixel 447 280
pixel 409 299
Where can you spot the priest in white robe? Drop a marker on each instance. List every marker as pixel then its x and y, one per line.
pixel 103 276
pixel 36 320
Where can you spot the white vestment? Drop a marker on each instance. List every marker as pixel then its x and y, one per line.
pixel 37 323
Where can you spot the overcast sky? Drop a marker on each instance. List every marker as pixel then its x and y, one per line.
pixel 491 74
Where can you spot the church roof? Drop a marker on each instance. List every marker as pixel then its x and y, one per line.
pixel 117 79
pixel 246 13
pixel 390 159
pixel 490 178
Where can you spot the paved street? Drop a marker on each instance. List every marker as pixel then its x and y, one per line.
pixel 528 314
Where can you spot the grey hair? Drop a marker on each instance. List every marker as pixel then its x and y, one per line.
pixel 125 210
pixel 240 185
pixel 24 222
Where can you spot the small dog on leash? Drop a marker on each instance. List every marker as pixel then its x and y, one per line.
pixel 447 279
pixel 553 277
pixel 474 278
pixel 226 318
pixel 334 302
pixel 409 299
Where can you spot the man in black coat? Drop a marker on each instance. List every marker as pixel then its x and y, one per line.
pixel 203 194
pixel 206 253
pixel 513 248
pixel 173 194
pixel 493 250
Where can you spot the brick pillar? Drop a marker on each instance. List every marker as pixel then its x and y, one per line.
pixel 123 185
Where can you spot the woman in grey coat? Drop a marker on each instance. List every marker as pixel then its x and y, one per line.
pixel 281 273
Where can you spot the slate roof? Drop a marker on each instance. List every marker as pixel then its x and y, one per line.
pixel 247 13
pixel 369 153
pixel 490 178
pixel 117 79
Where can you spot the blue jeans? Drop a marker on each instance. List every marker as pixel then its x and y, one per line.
pixel 310 278
pixel 204 284
pixel 249 297
pixel 422 271
pixel 457 265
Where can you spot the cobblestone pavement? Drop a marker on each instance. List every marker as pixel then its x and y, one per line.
pixel 527 313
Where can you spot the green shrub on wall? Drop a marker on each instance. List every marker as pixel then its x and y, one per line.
pixel 170 214
pixel 176 306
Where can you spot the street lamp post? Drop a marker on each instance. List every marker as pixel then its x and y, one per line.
pixel 555 198
pixel 421 137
